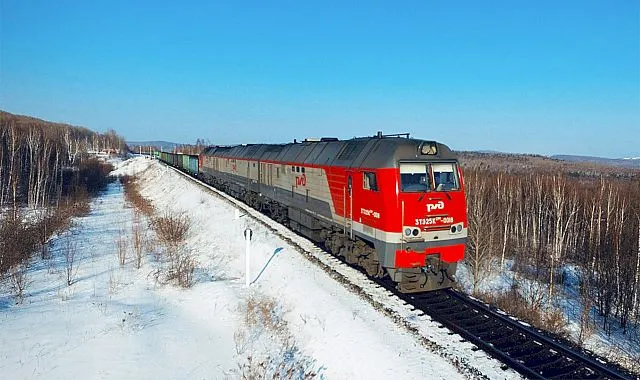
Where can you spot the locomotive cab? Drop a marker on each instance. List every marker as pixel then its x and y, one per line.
pixel 430 217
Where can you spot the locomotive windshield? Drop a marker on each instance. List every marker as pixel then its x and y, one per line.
pixel 414 177
pixel 422 176
pixel 444 177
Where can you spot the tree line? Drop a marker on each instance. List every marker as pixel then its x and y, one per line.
pixel 36 157
pixel 46 177
pixel 541 221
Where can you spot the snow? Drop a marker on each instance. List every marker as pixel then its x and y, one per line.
pixel 119 322
pixel 617 346
pixel 111 323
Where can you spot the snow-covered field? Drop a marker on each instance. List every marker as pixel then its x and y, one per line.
pixel 119 322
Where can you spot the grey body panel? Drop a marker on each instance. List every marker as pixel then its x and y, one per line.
pixel 369 152
pixel 285 197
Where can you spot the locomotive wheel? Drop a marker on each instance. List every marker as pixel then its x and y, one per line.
pixel 354 252
pixel 373 268
pixel 350 256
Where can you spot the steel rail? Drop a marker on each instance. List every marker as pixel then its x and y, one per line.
pixel 530 352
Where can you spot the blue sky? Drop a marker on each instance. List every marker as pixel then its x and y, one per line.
pixel 544 77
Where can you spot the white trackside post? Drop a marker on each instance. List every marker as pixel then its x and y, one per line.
pixel 247 238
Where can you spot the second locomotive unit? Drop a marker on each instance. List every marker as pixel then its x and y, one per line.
pixel 390 204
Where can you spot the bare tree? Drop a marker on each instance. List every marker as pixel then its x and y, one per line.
pixel 565 208
pixel 3 186
pixel 121 247
pixel 70 251
pixel 137 239
pixel 33 146
pixel 636 290
pixel 480 220
pixel 13 167
pixel 19 280
pixel 505 197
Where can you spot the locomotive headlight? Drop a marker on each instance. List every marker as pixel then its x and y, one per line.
pixel 429 148
pixel 411 234
pixel 456 228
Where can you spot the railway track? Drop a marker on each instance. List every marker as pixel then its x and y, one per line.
pixel 520 347
pixel 524 349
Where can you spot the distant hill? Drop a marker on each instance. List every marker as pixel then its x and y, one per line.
pixel 621 162
pixel 165 145
pixel 574 165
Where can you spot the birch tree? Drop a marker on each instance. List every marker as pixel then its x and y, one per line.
pixel 480 218
pixel 564 209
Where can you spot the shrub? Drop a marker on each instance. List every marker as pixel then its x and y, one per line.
pixel 93 175
pixel 555 322
pixel 172 228
pixel 288 363
pixel 266 348
pixel 181 268
pixel 264 312
pixel 70 250
pixel 18 241
pixel 75 205
pixel 137 240
pixel 133 196
pixel 528 308
pixel 121 247
pixel 18 280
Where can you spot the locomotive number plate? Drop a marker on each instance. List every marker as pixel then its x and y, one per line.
pixel 366 212
pixel 434 220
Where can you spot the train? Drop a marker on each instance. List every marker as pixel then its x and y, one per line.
pixel 392 205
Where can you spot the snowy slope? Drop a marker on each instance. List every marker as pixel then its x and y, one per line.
pixel 119 323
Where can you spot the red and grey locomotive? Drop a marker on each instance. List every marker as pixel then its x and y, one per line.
pixel 390 204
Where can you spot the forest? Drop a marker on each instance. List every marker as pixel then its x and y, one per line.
pixel 47 172
pixel 540 217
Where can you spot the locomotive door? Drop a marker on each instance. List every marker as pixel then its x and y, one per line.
pixel 261 174
pixel 248 174
pixel 266 174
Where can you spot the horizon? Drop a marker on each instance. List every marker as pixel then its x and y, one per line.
pixel 482 151
pixel 529 78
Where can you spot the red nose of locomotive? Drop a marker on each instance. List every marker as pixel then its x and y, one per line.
pixel 433 224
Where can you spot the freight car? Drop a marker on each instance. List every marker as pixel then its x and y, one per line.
pixel 390 204
pixel 188 163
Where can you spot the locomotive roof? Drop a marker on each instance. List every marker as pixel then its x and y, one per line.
pixel 364 152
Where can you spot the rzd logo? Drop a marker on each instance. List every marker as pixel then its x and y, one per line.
pixel 301 180
pixel 435 206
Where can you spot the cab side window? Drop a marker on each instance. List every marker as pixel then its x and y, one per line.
pixel 369 181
